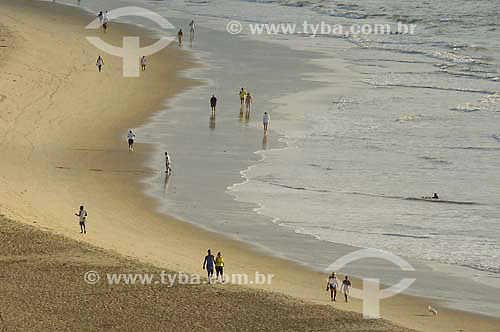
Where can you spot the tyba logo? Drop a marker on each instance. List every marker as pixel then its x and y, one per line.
pixel 371 294
pixel 131 50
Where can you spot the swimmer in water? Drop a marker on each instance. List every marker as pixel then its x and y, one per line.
pixel 435 196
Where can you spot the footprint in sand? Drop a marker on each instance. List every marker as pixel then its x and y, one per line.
pixel 2 98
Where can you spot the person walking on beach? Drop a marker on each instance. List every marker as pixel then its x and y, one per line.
pixel 131 138
pixel 180 37
pixel 144 62
pixel 242 96
pixel 346 285
pixel 168 168
pixel 219 266
pixel 209 263
pixel 105 21
pixel 332 285
pixel 100 63
pixel 248 102
pixel 266 121
pixel 83 217
pixel 213 103
pixel 191 31
pixel 101 17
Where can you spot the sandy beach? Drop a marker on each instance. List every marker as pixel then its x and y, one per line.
pixel 42 290
pixel 64 127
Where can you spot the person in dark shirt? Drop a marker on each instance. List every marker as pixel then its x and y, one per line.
pixel 213 103
pixel 346 285
pixel 209 262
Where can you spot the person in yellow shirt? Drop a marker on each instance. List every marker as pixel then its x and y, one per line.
pixel 243 94
pixel 219 266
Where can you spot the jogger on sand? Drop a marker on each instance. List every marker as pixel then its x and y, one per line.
pixel 100 63
pixel 131 138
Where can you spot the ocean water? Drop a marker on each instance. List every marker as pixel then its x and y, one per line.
pixel 416 115
pixel 363 126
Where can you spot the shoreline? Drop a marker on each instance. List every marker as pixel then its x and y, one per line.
pixel 107 171
pixel 238 221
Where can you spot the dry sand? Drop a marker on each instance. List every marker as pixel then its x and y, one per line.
pixel 42 289
pixel 63 128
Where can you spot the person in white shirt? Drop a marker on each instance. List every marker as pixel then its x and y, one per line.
pixel 266 121
pixel 191 31
pixel 346 285
pixel 131 138
pixel 83 217
pixel 144 62
pixel 100 63
pixel 105 21
pixel 100 16
pixel 168 168
pixel 332 285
